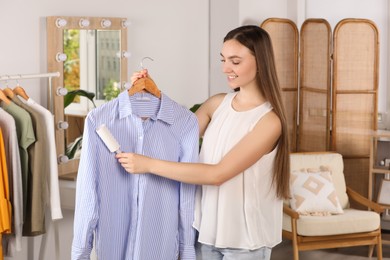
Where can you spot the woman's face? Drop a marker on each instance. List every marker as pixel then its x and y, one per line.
pixel 238 63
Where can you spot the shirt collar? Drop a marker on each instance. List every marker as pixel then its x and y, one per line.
pixel 165 113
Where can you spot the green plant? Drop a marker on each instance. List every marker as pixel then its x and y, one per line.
pixel 71 95
pixel 195 107
pixel 111 90
pixel 73 147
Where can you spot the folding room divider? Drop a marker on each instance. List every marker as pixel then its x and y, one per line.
pixel 335 94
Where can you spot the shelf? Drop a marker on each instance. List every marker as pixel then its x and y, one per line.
pixel 69 176
pixel 380 171
pixel 379 152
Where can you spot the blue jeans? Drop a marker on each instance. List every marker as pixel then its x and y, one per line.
pixel 207 252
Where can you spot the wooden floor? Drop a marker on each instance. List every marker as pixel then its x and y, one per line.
pixel 284 252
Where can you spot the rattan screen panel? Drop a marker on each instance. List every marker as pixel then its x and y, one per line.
pixel 313 134
pixel 355 83
pixel 315 69
pixel 354 106
pixel 356 174
pixel 356 55
pixel 354 120
pixel 284 35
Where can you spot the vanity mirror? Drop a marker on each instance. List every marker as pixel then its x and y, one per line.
pixel 91 54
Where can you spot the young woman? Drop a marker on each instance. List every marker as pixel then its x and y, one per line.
pixel 244 159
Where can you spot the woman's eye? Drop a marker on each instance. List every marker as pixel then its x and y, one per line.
pixel 222 60
pixel 235 62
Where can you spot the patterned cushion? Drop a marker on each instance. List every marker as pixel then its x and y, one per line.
pixel 313 192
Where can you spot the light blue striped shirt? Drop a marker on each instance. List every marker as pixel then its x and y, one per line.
pixel 136 217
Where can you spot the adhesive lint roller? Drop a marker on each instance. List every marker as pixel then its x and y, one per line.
pixel 109 140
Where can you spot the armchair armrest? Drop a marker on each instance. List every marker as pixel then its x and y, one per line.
pixel 353 195
pixel 289 211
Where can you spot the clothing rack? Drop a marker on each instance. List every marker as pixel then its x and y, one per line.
pixel 49 75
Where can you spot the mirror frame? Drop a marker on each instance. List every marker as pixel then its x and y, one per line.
pixel 55 44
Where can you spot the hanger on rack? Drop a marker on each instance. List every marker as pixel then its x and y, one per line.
pixel 18 90
pixel 145 84
pixel 8 92
pixel 4 98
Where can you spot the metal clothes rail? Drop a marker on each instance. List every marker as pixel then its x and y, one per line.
pixel 49 75
pixel 29 76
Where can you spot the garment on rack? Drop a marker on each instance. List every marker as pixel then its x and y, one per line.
pixel 26 137
pixel 39 170
pixel 11 146
pixel 5 203
pixel 136 216
pixel 51 156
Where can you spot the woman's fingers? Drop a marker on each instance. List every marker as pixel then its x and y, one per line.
pixel 131 162
pixel 138 74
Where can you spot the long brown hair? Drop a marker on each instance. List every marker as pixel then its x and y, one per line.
pixel 259 43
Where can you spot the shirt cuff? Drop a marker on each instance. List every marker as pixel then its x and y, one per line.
pixel 81 254
pixel 187 252
pixel 56 213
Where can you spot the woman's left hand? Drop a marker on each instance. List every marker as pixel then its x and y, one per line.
pixel 133 163
pixel 138 75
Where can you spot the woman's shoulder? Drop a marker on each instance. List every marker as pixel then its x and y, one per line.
pixel 208 107
pixel 213 102
pixel 218 98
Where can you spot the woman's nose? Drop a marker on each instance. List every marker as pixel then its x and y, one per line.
pixel 225 68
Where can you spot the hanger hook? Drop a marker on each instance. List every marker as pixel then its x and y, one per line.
pixel 142 65
pixel 17 80
pixel 6 82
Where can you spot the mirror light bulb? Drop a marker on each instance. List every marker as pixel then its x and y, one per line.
pixel 125 23
pixel 61 57
pixel 61 91
pixel 60 22
pixel 105 23
pixel 126 54
pixel 63 159
pixel 63 125
pixel 84 23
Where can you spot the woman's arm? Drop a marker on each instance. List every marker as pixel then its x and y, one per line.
pixel 260 141
pixel 206 111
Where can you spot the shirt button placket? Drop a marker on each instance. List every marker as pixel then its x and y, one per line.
pixel 140 137
pixel 136 191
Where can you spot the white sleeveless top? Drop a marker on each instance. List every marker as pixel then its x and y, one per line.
pixel 243 212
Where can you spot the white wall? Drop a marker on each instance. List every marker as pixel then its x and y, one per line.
pixel 223 18
pixel 173 32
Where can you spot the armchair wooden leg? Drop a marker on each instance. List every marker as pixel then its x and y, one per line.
pixel 295 250
pixel 379 248
pixel 370 251
pixel 294 239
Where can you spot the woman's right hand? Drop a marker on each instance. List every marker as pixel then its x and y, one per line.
pixel 138 75
pixel 133 163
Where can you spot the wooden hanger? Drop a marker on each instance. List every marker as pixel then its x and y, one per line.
pixel 18 90
pixel 9 93
pixel 145 84
pixel 4 98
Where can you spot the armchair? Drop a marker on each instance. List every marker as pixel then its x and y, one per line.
pixel 354 227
